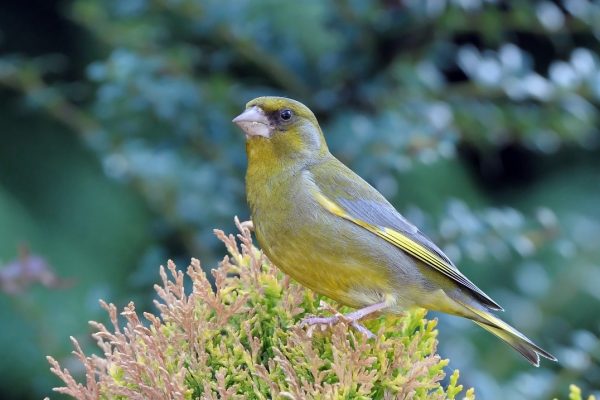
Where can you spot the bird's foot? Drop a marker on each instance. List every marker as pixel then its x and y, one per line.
pixel 324 322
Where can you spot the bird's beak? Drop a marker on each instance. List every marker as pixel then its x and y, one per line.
pixel 253 122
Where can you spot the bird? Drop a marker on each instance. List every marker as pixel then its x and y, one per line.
pixel 330 230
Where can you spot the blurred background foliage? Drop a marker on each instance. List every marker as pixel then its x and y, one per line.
pixel 477 118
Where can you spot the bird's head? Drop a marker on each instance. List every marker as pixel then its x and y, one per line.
pixel 281 128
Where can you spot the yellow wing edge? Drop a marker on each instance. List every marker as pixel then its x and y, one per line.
pixel 406 244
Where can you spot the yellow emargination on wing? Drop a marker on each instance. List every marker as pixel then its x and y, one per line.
pixel 332 207
pixel 404 243
pixel 418 251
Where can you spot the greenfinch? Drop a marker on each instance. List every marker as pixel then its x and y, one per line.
pixel 330 230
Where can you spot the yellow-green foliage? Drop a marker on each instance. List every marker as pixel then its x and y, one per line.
pixel 243 340
pixel 575 394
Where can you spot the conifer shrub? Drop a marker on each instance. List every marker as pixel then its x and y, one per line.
pixel 242 338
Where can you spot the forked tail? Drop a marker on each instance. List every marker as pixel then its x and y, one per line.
pixel 510 335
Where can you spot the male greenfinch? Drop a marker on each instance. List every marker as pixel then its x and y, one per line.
pixel 334 233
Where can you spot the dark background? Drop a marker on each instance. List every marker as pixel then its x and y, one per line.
pixel 477 119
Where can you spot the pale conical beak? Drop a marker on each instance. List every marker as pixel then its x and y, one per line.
pixel 253 122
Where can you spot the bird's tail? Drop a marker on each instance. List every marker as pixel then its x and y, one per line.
pixel 507 333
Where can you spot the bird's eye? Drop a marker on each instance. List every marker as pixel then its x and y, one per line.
pixel 285 114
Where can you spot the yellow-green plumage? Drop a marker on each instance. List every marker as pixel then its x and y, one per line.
pixel 331 231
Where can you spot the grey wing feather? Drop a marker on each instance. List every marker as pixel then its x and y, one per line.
pixel 384 214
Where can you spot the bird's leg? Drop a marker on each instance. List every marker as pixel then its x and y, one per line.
pixel 351 318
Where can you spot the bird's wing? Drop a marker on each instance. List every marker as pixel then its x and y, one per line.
pixel 363 205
